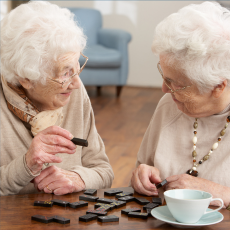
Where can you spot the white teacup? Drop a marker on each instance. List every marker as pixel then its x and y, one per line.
pixel 187 205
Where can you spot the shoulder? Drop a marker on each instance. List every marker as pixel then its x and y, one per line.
pixel 166 110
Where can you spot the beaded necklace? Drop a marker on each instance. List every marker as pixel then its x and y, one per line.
pixel 193 171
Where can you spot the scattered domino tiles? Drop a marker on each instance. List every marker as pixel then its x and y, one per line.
pixel 101 207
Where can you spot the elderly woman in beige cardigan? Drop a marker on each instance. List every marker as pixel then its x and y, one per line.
pixel 44 104
pixel 187 141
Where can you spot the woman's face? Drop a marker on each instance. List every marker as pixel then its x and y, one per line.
pixel 52 96
pixel 189 100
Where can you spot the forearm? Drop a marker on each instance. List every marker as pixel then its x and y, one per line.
pixel 97 177
pixel 218 191
pixel 15 176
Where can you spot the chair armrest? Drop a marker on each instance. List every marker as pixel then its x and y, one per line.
pixel 113 38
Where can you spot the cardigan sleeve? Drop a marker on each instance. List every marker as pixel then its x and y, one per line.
pixel 95 170
pixel 15 176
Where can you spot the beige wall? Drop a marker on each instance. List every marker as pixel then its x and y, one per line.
pixel 139 18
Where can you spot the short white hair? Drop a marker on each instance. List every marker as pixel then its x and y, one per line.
pixel 33 37
pixel 197 38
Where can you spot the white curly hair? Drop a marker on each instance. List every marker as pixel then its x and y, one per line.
pixel 33 37
pixel 196 39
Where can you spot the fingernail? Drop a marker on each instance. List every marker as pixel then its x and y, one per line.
pixel 71 136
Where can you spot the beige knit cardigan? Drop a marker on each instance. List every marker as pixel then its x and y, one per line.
pixel 168 145
pixel 91 162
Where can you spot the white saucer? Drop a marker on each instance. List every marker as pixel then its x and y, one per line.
pixel 163 213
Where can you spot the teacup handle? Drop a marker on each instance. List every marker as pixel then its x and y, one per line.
pixel 222 204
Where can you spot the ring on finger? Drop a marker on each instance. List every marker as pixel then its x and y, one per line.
pixel 49 189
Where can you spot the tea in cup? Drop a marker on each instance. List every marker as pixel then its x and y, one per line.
pixel 187 205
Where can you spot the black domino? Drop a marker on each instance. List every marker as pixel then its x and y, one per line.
pixel 164 182
pixel 138 215
pixel 123 194
pixel 111 218
pixel 102 209
pixel 119 203
pixel 60 203
pixel 88 198
pixel 88 217
pixel 157 200
pixel 81 142
pixel 90 192
pixel 46 220
pixel 97 212
pixel 61 220
pixel 148 210
pixel 141 201
pixel 150 206
pixel 42 219
pixel 105 206
pixel 105 200
pixel 127 198
pixel 78 204
pixel 127 210
pixel 112 192
pixel 43 203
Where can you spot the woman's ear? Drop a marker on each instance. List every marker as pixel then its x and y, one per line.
pixel 219 89
pixel 26 83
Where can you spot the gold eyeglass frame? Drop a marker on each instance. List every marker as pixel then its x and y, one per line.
pixel 78 73
pixel 172 91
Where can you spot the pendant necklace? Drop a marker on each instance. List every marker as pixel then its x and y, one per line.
pixel 193 171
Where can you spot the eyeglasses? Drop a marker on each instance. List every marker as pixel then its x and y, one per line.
pixel 68 80
pixel 168 83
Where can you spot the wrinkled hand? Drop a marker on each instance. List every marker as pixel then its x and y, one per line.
pixel 58 180
pixel 185 181
pixel 143 178
pixel 46 144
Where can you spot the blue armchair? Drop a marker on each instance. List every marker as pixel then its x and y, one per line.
pixel 107 50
